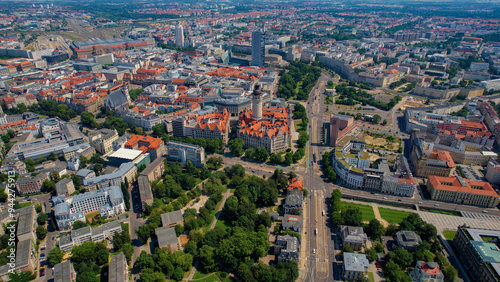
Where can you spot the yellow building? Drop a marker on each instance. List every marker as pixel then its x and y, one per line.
pixel 427 163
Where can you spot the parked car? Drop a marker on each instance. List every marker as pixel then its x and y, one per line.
pixel 138 216
pixel 42 255
pixel 42 274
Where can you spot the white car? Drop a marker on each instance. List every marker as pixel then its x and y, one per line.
pixel 485 211
pixel 385 198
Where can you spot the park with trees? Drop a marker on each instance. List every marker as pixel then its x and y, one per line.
pixel 399 260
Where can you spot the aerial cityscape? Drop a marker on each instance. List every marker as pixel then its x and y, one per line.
pixel 250 140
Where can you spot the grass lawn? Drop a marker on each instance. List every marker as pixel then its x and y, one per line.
pixel 367 211
pixel 370 277
pixel 442 212
pixel 198 275
pixel 449 234
pixel 221 222
pixel 26 204
pixel 92 214
pixel 393 216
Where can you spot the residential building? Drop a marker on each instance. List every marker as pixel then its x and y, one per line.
pixel 32 184
pixel 427 272
pixel 87 234
pixel 74 164
pixel 145 193
pixel 479 252
pixel 154 146
pixel 108 201
pixel 183 152
pixel 26 224
pixel 427 163
pixel 106 231
pixel 467 153
pixel 171 219
pixel 154 170
pixel 120 142
pixel 65 187
pixel 493 172
pixel 118 268
pixel 352 168
pixel 65 243
pixel 84 174
pixel 286 248
pixel 295 184
pixel 292 222
pixel 456 189
pixel 64 272
pixel 13 164
pixel 81 235
pixel 102 140
pixel 408 240
pixel 353 236
pixel 125 171
pixel 258 48
pixel 167 238
pixel 25 256
pixel 293 201
pixel 355 266
pixel 213 125
pixel 57 136
pixel 83 149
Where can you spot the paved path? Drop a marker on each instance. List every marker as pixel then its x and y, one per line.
pixel 378 217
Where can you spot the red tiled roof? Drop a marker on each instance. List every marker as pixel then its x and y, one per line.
pixel 453 184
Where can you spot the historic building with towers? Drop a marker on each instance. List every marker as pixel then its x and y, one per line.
pixel 264 126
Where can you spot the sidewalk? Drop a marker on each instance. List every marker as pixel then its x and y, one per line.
pixel 303 247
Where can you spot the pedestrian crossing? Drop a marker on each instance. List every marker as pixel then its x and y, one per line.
pixel 480 216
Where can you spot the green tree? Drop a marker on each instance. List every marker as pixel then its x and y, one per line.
pixel 178 274
pixel 377 119
pixel 55 256
pixel 78 224
pixel 41 219
pixel 144 260
pixel 41 232
pixel 331 174
pixel 261 154
pixel 288 158
pixel 207 259
pixel 236 147
pixel 143 233
pixel 276 159
pixel 48 186
pixel 375 229
pixel 249 153
pixel 449 272
pixel 352 216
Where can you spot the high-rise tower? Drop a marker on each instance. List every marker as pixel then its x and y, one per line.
pixel 258 48
pixel 179 36
pixel 257 102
